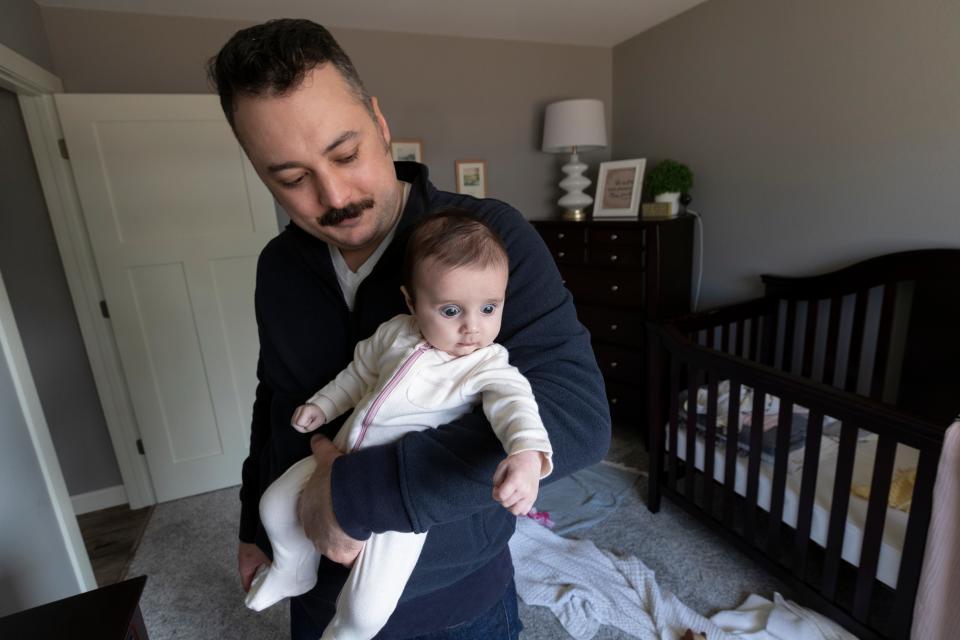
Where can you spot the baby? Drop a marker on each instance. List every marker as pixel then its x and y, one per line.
pixel 416 372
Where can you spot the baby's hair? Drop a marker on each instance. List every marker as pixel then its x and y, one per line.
pixel 452 237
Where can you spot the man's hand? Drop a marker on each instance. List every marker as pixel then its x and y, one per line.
pixel 249 557
pixel 517 480
pixel 316 508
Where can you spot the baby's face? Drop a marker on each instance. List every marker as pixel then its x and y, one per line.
pixel 459 310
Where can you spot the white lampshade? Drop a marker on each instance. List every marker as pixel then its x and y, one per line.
pixel 574 123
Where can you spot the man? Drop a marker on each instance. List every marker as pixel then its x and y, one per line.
pixel 322 146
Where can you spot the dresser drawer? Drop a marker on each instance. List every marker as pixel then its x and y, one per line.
pixel 624 400
pixel 622 257
pixel 620 364
pixel 616 235
pixel 567 245
pixel 615 288
pixel 613 325
pixel 568 252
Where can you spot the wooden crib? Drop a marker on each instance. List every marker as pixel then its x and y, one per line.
pixel 868 353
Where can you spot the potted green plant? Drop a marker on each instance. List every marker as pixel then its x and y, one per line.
pixel 668 180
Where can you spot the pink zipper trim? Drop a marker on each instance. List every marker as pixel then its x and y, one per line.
pixel 394 381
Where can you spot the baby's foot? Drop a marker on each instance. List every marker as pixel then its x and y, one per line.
pixel 270 586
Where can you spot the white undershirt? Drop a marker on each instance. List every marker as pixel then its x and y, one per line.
pixel 350 280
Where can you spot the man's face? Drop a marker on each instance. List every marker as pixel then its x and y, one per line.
pixel 324 158
pixel 459 310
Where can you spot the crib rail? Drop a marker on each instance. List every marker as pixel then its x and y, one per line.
pixel 740 344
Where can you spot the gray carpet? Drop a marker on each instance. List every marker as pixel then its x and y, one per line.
pixel 189 555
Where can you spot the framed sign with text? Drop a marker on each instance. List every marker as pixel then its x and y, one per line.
pixel 618 189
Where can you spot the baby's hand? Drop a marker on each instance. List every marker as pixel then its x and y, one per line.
pixel 516 481
pixel 307 417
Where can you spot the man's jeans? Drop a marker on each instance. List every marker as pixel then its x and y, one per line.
pixel 501 622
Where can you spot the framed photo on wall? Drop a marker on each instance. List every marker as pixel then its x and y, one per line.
pixel 410 150
pixel 618 189
pixel 472 177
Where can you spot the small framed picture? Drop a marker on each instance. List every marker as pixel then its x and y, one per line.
pixel 472 177
pixel 410 150
pixel 618 189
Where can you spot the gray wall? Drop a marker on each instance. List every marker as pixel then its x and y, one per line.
pixel 34 565
pixel 819 132
pixel 463 98
pixel 31 265
pixel 21 29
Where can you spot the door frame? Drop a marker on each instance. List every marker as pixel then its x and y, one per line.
pixel 35 88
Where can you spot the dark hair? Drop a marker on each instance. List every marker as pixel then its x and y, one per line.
pixel 453 238
pixel 272 58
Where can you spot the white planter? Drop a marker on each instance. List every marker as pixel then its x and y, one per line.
pixel 673 197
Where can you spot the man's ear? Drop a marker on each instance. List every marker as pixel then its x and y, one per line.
pixel 381 122
pixel 407 299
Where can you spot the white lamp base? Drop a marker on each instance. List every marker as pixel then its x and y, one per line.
pixel 575 200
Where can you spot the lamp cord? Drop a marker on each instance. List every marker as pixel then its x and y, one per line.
pixel 696 295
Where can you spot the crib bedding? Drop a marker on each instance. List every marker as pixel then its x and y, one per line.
pixel 771 412
pixel 896 520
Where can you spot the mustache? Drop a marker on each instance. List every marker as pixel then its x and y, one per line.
pixel 352 210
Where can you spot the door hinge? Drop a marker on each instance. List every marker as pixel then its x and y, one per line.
pixel 63 149
pixel 104 310
pixel 140 447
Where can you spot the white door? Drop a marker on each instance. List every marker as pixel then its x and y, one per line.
pixel 177 217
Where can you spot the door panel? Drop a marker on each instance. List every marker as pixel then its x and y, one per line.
pixel 176 217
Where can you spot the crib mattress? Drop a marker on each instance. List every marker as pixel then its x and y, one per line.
pixel 895 525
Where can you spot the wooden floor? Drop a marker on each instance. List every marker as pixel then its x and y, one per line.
pixel 111 537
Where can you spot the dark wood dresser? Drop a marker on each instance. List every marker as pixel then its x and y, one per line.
pixel 622 273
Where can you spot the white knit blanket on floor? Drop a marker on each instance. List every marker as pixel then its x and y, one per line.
pixel 586 587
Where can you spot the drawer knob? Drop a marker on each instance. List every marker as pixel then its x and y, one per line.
pixel 613 365
pixel 561 236
pixel 613 327
pixel 613 258
pixel 615 288
pixel 613 400
pixel 563 282
pixel 560 254
pixel 614 236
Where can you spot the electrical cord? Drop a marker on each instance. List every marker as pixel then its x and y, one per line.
pixel 696 295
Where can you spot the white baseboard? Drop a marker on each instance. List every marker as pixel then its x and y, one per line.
pixel 99 499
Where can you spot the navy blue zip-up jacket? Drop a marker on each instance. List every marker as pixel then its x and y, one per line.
pixel 438 480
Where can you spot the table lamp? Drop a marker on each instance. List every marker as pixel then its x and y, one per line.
pixel 571 126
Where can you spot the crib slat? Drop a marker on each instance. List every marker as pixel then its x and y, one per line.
pixel 753 467
pixel 833 335
pixel 711 335
pixel 725 338
pixel 838 508
pixel 674 422
pixel 655 424
pixel 710 444
pixel 741 329
pixel 856 340
pixel 730 454
pixel 883 341
pixel 690 452
pixel 754 338
pixel 784 427
pixel 810 338
pixel 911 561
pixel 873 527
pixel 808 488
pixel 788 335
pixel 768 343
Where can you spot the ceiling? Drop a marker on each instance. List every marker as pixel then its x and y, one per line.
pixel 602 23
